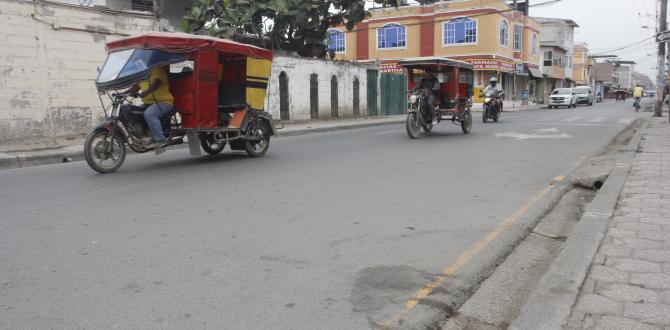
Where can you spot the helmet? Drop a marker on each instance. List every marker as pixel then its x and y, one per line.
pixel 493 80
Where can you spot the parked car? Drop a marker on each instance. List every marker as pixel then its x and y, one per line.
pixel 584 95
pixel 563 97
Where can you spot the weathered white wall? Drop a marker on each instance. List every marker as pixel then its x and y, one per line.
pixel 299 70
pixel 84 2
pixel 48 62
pixel 111 4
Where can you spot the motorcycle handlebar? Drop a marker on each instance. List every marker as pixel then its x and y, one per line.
pixel 119 95
pixel 124 95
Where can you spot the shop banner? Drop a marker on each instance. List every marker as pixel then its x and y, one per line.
pixel 491 65
pixel 390 68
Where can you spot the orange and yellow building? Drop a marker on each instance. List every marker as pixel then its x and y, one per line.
pixel 497 40
pixel 581 73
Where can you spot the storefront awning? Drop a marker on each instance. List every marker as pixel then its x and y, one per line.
pixel 535 72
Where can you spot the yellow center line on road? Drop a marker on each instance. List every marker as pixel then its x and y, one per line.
pixel 470 253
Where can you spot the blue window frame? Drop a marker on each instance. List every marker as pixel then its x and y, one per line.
pixel 391 36
pixel 336 41
pixel 504 33
pixel 460 31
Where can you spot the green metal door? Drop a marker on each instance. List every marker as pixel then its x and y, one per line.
pixel 394 94
pixel 372 93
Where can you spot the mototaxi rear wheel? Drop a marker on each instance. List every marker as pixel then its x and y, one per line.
pixel 211 143
pixel 260 142
pixel 466 121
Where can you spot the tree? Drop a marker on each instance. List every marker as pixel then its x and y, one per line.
pixel 292 25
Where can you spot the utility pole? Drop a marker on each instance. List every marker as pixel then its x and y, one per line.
pixel 661 80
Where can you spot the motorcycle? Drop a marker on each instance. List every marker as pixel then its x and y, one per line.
pixel 421 113
pixel 491 107
pixel 125 125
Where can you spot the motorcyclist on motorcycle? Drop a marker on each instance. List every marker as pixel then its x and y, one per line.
pixel 496 90
pixel 431 84
pixel 158 100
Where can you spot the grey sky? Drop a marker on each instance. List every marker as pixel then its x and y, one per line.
pixel 610 24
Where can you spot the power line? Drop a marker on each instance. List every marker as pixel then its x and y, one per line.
pixel 636 8
pixel 646 10
pixel 625 47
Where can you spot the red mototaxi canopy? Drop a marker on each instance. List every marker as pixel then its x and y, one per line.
pixel 184 43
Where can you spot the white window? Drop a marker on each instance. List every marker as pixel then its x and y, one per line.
pixel 335 41
pixel 391 36
pixel 548 58
pixel 460 31
pixel 504 33
pixel 568 33
pixel 534 45
pixel 518 29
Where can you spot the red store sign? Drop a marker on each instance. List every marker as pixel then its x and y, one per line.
pixel 391 68
pixel 492 65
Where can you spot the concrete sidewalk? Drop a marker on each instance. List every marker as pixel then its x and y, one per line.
pixel 613 271
pixel 628 283
pixel 16 156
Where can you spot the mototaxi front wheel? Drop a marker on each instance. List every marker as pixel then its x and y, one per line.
pixel 104 152
pixel 412 125
pixel 485 116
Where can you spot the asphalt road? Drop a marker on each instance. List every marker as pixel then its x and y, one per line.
pixel 327 231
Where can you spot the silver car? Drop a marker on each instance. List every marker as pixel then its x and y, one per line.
pixel 584 95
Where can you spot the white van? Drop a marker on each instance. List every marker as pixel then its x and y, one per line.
pixel 562 97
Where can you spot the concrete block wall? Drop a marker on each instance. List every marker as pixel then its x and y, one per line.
pixel 49 54
pixel 299 71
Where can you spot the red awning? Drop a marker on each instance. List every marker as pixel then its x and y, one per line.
pixel 184 43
